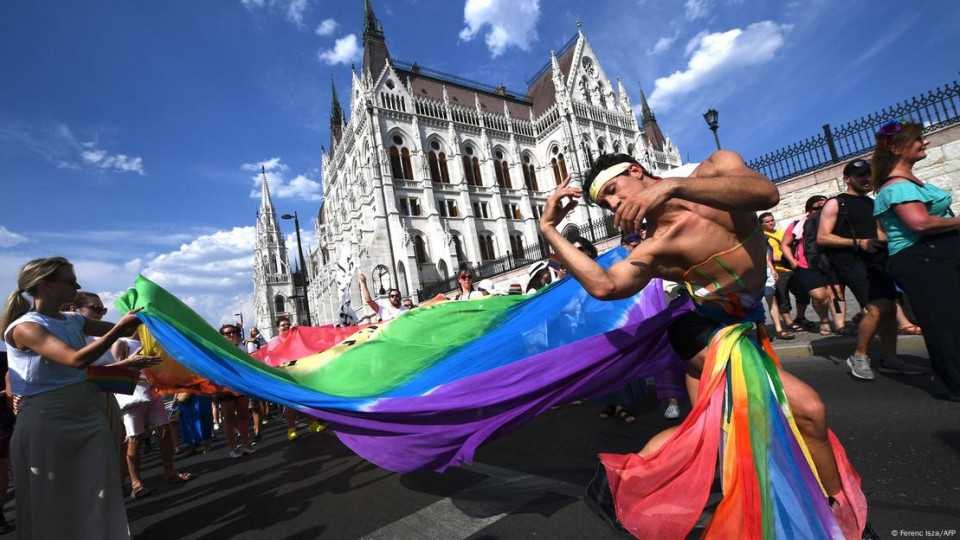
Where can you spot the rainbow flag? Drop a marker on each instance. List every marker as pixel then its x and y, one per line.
pixel 114 379
pixel 426 389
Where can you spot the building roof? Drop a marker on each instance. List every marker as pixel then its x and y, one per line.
pixel 429 83
pixel 541 90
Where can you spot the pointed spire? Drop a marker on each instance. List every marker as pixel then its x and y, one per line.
pixel 375 53
pixel 647 115
pixel 266 204
pixel 336 117
pixel 579 26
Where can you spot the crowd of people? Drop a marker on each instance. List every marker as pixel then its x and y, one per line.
pixel 898 249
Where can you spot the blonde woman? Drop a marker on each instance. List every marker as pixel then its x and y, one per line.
pixel 62 453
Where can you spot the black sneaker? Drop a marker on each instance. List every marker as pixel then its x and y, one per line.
pixel 256 439
pixel 869 533
pixel 598 498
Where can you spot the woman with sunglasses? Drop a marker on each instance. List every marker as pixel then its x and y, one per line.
pixel 923 243
pixel 468 291
pixel 63 456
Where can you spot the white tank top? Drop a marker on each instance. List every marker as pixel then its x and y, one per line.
pixel 32 374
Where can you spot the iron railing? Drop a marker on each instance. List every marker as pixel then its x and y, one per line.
pixel 596 231
pixel 935 109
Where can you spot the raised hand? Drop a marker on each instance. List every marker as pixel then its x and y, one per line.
pixel 631 210
pixel 554 211
pixel 130 320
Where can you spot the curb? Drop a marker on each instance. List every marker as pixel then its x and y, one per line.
pixel 842 346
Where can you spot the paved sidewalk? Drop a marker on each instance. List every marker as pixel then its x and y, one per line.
pixel 813 344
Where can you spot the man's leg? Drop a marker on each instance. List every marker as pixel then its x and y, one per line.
pixel 228 416
pixel 243 421
pixel 820 299
pixel 810 415
pixel 873 312
pixel 133 461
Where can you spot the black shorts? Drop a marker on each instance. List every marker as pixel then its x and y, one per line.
pixel 805 280
pixel 868 282
pixel 690 333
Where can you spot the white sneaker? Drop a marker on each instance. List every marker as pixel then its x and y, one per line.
pixel 672 412
pixel 236 453
pixel 216 426
pixel 860 367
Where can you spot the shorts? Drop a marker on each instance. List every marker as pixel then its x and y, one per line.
pixel 805 280
pixel 136 418
pixel 867 282
pixel 690 333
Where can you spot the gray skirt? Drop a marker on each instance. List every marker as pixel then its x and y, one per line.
pixel 64 461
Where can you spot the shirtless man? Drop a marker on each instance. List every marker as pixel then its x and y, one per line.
pixel 689 222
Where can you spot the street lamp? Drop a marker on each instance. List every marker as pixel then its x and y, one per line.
pixel 711 118
pixel 241 322
pixel 303 265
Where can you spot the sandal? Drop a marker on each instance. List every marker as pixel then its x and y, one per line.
pixel 625 415
pixel 825 329
pixel 784 335
pixel 795 327
pixel 179 478
pixel 140 492
pixel 607 412
pixel 910 330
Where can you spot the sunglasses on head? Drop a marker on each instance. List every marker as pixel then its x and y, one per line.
pixel 890 127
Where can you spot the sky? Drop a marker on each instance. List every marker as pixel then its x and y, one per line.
pixel 132 133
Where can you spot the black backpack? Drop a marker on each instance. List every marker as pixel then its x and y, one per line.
pixel 817 259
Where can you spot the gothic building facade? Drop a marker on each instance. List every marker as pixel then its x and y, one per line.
pixel 427 171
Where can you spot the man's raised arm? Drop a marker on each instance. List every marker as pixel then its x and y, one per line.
pixel 725 182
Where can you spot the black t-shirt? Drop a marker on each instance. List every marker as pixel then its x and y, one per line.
pixel 854 220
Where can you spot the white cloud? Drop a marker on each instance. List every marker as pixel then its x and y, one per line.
pixel 718 54
pixel 58 145
pixel 662 44
pixel 91 155
pixel 511 22
pixel 696 9
pixel 344 51
pixel 292 9
pixel 326 27
pixel 302 186
pixel 9 238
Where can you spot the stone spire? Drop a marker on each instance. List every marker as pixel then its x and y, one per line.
pixel 336 117
pixel 649 122
pixel 375 53
pixel 266 203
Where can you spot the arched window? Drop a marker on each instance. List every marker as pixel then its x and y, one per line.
pixel 585 90
pixel 477 177
pixel 602 146
pixel 442 270
pixel 516 244
pixel 471 167
pixel 273 265
pixel 434 166
pixel 602 95
pixel 587 152
pixel 402 279
pixel 278 304
pixel 630 149
pixel 400 166
pixel 559 165
pixel 502 169
pixel 444 174
pixel 486 247
pixel 458 248
pixel 529 173
pixel 616 147
pixel 419 250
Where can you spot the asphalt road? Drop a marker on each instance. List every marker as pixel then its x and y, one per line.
pixel 527 484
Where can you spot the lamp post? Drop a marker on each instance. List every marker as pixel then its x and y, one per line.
pixel 241 322
pixel 303 266
pixel 711 118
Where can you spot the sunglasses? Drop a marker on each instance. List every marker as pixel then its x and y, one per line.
pixel 228 333
pixel 860 163
pixel 96 309
pixel 71 282
pixel 466 276
pixel 394 296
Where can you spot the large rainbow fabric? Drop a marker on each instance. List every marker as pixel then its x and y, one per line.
pixel 426 389
pixel 770 485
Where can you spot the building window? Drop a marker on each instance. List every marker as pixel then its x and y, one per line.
pixel 477 177
pixel 511 211
pixel 458 248
pixel 503 171
pixel 559 165
pixel 486 247
pixel 516 244
pixel 419 250
pixel 601 95
pixel 529 173
pixel 448 208
pixel 400 167
pixel 481 210
pixel 434 166
pixel 278 304
pixel 410 206
pixel 585 90
pixel 587 152
pixel 602 146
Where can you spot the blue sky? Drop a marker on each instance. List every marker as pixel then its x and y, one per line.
pixel 131 132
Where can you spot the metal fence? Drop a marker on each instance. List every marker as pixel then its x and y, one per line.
pixel 596 231
pixel 935 109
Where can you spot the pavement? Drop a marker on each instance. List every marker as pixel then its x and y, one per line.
pixel 527 484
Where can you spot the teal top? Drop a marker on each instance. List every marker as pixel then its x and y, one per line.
pixel 900 236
